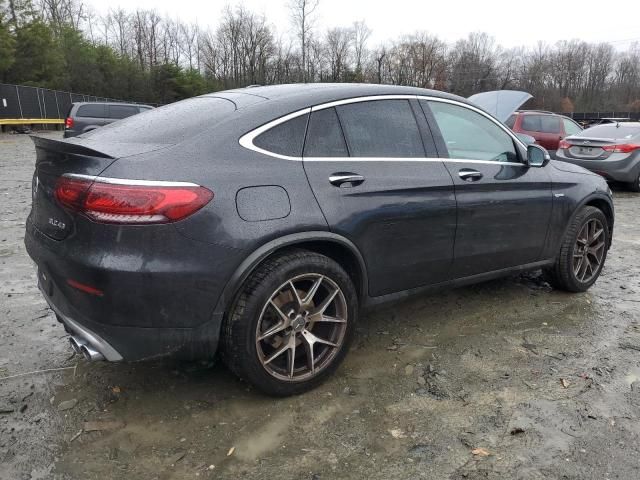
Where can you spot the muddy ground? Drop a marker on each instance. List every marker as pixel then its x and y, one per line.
pixel 504 380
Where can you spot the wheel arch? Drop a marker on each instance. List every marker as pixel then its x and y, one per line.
pixel 334 246
pixel 601 202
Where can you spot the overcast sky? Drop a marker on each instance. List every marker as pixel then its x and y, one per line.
pixel 511 23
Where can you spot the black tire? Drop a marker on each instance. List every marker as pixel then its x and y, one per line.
pixel 239 335
pixel 634 186
pixel 562 275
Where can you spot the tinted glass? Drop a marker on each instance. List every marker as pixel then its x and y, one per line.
pixel 469 135
pixel 381 128
pixel 122 111
pixel 550 124
pixel 167 125
pixel 91 110
pixel 511 121
pixel 541 123
pixel 613 130
pixel 570 127
pixel 324 135
pixel 286 138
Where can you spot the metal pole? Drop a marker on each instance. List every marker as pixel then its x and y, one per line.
pixel 19 104
pixel 55 94
pixel 39 104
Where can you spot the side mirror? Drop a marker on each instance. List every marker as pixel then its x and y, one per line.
pixel 537 156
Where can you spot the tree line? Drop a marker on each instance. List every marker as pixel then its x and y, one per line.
pixel 140 55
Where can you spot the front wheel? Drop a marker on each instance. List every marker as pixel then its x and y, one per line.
pixel 582 253
pixel 292 323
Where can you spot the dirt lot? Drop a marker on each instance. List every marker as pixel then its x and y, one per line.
pixel 505 380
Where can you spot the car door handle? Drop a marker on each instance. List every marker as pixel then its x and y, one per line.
pixel 345 179
pixel 469 175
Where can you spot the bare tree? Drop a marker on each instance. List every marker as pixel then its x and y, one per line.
pixel 361 33
pixel 302 16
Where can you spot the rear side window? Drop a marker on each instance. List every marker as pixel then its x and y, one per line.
pixel 324 135
pixel 286 138
pixel 570 127
pixel 381 128
pixel 469 135
pixel 96 110
pixel 167 125
pixel 541 123
pixel 122 111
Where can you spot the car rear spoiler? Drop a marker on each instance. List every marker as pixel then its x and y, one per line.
pixel 63 146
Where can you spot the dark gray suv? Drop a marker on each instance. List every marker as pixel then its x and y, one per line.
pixel 260 222
pixel 86 116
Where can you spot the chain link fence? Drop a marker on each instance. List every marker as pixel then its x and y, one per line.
pixel 19 102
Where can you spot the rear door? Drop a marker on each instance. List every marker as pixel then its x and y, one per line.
pixel 90 116
pixel 546 129
pixel 504 206
pixel 372 167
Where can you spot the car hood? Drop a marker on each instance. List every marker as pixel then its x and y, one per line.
pixel 500 103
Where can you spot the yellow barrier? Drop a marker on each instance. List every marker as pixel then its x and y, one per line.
pixel 31 121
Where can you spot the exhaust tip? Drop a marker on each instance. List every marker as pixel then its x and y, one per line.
pixel 75 344
pixel 90 354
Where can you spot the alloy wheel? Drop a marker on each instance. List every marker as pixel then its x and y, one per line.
pixel 589 250
pixel 301 327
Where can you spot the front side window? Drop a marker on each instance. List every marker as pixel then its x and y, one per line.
pixel 286 138
pixel 469 135
pixel 570 127
pixel 381 128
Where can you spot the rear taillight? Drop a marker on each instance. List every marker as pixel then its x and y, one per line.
pixel 563 144
pixel 68 123
pixel 131 201
pixel 621 148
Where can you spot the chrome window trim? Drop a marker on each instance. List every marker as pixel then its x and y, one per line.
pixel 409 159
pixel 130 182
pixel 247 139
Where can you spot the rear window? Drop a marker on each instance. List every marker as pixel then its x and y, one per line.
pixel 122 111
pixel 286 138
pixel 166 125
pixel 610 130
pixel 91 110
pixel 541 123
pixel 511 121
pixel 324 135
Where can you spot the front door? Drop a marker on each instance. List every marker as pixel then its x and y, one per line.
pixel 504 206
pixel 369 170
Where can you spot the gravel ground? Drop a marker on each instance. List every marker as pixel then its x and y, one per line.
pixel 504 380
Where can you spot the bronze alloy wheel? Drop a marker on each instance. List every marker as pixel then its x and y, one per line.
pixel 589 250
pixel 301 327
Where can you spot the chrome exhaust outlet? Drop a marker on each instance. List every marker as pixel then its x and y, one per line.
pixel 91 354
pixel 76 344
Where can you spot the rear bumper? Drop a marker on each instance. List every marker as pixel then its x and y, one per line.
pixel 155 303
pixel 625 170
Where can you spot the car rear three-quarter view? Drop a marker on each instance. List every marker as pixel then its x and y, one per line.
pixel 259 223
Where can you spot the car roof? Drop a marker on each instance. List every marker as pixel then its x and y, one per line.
pixel 78 104
pixel 301 95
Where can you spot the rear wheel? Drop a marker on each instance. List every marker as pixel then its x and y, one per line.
pixel 582 253
pixel 292 323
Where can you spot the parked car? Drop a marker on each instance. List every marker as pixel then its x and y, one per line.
pixel 610 149
pixel 86 116
pixel 546 127
pixel 261 222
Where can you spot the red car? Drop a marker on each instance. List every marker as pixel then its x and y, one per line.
pixel 546 127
